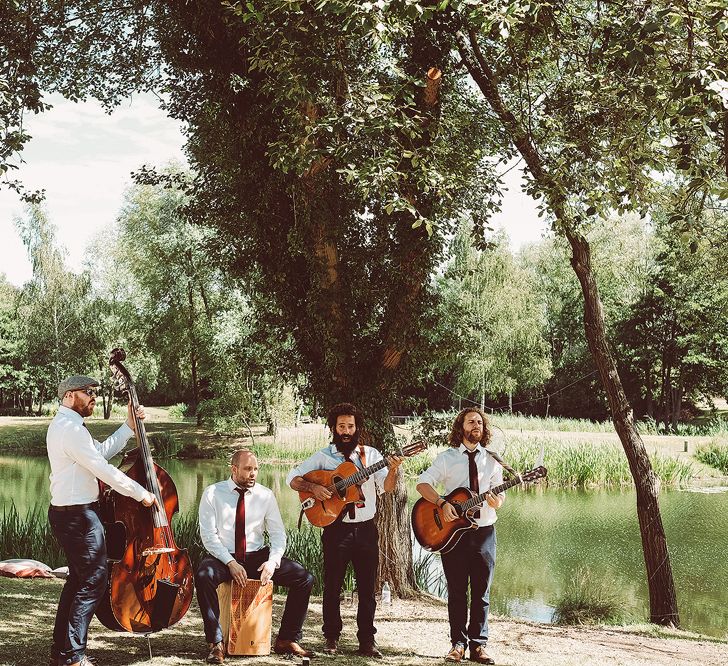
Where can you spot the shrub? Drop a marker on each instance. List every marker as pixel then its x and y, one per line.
pixel 164 444
pixel 714 454
pixel 588 600
pixel 179 411
pixel 30 537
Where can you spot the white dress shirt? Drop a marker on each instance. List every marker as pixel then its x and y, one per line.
pixel 77 460
pixel 218 511
pixel 451 469
pixel 330 458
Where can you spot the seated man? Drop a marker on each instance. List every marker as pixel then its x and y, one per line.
pixel 234 514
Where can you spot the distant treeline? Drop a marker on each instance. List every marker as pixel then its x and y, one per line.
pixel 508 326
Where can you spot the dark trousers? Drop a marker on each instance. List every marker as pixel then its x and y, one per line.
pixel 212 572
pixel 357 543
pixel 81 536
pixel 472 560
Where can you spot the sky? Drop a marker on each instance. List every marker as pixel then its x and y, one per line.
pixel 83 157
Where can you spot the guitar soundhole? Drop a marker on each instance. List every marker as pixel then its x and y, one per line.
pixel 340 493
pixel 438 522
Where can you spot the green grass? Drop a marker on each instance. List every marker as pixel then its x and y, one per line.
pixel 714 454
pixel 28 537
pixel 31 537
pixel 579 464
pixel 588 600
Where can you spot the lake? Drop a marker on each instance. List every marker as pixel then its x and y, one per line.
pixel 544 538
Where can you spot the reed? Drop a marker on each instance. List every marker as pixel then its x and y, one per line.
pixel 714 454
pixel 579 464
pixel 29 537
pixel 588 600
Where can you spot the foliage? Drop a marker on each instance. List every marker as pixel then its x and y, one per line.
pixel 588 600
pixel 53 324
pixel 164 445
pixel 575 464
pixel 28 537
pixel 179 411
pixel 492 309
pixel 674 335
pixel 714 454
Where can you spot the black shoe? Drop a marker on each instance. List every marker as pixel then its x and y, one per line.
pixel 332 646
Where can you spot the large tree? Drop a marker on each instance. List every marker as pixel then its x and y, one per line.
pixel 595 98
pixel 326 143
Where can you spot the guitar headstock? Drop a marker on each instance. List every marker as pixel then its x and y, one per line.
pixel 412 449
pixel 534 474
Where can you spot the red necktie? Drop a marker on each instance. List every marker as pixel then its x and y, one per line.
pixel 473 472
pixel 240 526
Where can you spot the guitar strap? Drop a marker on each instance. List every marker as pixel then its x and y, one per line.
pixel 351 508
pixel 504 465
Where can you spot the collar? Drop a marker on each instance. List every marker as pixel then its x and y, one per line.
pixel 464 449
pixel 231 486
pixel 70 414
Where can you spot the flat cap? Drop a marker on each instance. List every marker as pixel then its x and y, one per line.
pixel 75 382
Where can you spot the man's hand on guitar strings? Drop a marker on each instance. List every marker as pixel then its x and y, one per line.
pixel 494 501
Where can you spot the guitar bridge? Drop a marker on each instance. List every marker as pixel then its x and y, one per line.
pixel 307 503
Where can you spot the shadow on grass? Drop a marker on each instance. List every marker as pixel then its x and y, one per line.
pixel 28 606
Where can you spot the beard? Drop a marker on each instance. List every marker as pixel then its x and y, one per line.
pixel 474 439
pixel 82 408
pixel 346 446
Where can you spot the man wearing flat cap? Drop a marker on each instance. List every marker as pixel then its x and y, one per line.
pixel 77 461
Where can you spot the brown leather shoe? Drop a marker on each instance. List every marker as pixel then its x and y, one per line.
pixel 369 650
pixel 456 654
pixel 332 646
pixel 217 653
pixel 291 647
pixel 480 656
pixel 85 661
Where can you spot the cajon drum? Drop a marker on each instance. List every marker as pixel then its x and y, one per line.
pixel 246 614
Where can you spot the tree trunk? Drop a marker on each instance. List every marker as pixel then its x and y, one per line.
pixel 676 395
pixel 41 395
pixel 193 343
pixel 393 524
pixel 663 601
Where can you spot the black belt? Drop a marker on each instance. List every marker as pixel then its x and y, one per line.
pixel 75 507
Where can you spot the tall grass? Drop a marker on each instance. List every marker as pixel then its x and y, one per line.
pixel 28 537
pixel 579 464
pixel 714 454
pixel 31 537
pixel 716 426
pixel 588 600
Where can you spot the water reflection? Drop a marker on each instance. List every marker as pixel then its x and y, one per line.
pixel 544 537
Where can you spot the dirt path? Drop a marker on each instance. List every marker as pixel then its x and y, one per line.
pixel 410 633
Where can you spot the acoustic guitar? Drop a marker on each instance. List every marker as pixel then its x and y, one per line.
pixel 436 534
pixel 344 482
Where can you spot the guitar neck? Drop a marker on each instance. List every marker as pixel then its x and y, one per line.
pixel 479 499
pixel 363 474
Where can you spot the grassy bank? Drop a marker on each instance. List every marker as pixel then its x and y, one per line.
pixel 574 458
pixel 576 464
pixel 30 537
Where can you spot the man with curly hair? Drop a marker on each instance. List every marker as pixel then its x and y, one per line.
pixel 353 537
pixel 468 464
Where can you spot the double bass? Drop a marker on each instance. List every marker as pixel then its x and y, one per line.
pixel 150 579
